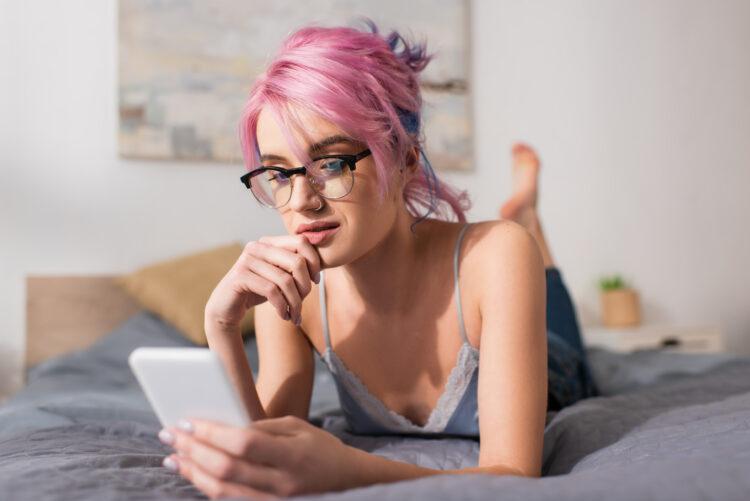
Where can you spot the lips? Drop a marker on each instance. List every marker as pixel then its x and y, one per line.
pixel 317 237
pixel 316 225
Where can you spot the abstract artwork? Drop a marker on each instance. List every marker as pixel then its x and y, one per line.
pixel 186 67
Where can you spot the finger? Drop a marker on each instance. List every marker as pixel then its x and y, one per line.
pixel 254 444
pixel 300 245
pixel 285 260
pixel 224 466
pixel 284 281
pixel 252 282
pixel 293 262
pixel 213 487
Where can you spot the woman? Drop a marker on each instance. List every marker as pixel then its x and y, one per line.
pixel 374 290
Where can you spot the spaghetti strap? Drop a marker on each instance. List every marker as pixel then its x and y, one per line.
pixel 456 253
pixel 455 412
pixel 462 328
pixel 323 309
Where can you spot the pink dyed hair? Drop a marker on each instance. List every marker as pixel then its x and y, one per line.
pixel 358 81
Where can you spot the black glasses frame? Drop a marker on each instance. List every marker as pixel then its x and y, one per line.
pixel 351 161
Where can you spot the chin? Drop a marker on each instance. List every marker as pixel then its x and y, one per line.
pixel 330 257
pixel 335 254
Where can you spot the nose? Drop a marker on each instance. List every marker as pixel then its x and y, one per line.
pixel 304 197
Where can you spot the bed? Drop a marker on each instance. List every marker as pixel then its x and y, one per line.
pixel 668 425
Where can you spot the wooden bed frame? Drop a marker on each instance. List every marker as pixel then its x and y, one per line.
pixel 67 313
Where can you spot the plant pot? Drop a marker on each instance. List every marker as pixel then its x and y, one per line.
pixel 620 307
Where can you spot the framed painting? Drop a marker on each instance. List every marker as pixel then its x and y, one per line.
pixel 186 66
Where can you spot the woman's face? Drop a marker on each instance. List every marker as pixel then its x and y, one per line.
pixel 363 221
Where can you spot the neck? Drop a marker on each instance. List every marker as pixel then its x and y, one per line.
pixel 384 277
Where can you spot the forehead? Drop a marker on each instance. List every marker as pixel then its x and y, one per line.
pixel 271 138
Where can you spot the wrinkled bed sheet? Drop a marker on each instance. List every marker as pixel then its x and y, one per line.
pixel 668 426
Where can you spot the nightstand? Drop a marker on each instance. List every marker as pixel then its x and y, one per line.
pixel 707 339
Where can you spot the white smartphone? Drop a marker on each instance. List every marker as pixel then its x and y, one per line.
pixel 183 383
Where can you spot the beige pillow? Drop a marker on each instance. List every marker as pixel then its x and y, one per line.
pixel 178 289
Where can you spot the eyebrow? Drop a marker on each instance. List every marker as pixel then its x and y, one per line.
pixel 315 147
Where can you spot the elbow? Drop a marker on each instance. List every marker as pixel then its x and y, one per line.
pixel 535 474
pixel 503 469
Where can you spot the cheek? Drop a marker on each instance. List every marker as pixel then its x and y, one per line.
pixel 364 223
pixel 369 217
pixel 366 193
pixel 367 213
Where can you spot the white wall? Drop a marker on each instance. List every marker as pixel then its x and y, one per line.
pixel 640 109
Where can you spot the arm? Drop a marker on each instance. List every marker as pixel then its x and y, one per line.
pixel 374 469
pixel 287 366
pixel 283 456
pixel 227 343
pixel 513 369
pixel 273 275
pixel 286 373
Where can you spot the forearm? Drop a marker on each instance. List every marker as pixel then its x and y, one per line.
pixel 227 343
pixel 374 469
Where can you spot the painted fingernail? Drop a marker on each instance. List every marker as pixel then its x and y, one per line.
pixel 166 437
pixel 170 463
pixel 185 425
pixel 317 278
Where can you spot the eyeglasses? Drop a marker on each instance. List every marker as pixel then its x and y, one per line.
pixel 331 176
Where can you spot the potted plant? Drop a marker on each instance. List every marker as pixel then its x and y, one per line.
pixel 620 304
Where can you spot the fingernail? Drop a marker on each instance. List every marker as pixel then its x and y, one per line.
pixel 166 437
pixel 317 278
pixel 185 425
pixel 298 321
pixel 170 463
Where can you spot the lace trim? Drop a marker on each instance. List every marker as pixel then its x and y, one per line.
pixel 455 387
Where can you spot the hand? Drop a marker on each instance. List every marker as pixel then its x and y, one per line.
pixel 274 268
pixel 272 457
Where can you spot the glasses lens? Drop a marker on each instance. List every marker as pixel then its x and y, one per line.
pixel 331 177
pixel 271 188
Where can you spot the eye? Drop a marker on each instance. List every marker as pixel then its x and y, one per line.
pixel 330 166
pixel 276 176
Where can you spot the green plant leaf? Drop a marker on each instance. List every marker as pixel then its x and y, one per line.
pixel 612 282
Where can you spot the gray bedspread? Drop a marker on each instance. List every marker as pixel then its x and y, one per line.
pixel 669 426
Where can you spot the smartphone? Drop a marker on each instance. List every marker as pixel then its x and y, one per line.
pixel 183 383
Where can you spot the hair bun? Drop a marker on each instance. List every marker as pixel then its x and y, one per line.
pixel 414 55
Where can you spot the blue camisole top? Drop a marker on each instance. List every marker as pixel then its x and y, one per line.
pixel 456 411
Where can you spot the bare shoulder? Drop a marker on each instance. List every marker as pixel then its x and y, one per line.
pixel 498 257
pixel 497 241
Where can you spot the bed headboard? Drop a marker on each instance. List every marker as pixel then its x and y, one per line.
pixel 66 313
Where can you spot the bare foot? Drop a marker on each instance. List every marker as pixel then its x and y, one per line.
pixel 521 206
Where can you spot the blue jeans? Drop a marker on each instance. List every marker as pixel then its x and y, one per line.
pixel 570 377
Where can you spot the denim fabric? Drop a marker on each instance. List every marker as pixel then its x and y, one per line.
pixel 570 377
